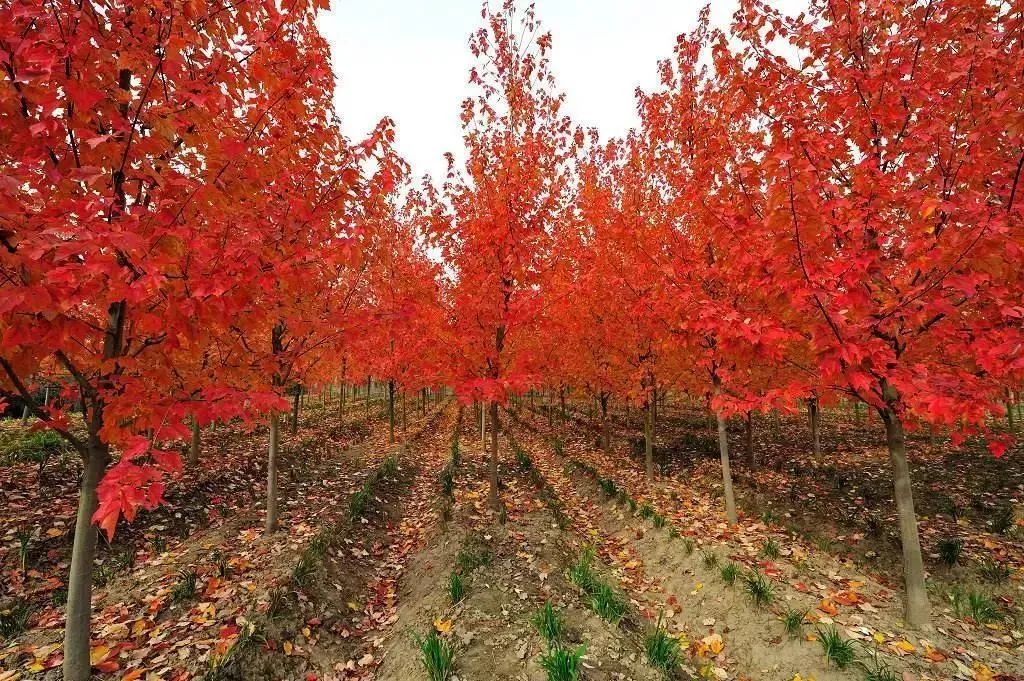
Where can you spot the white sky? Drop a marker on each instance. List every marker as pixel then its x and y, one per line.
pixel 409 59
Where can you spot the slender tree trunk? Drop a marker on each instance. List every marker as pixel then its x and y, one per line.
pixel 404 421
pixel 272 512
pixel 79 606
pixel 815 419
pixel 483 427
pixel 748 428
pixel 654 406
pixel 917 609
pixel 295 409
pixel 193 447
pixel 369 384
pixel 649 439
pixel 77 665
pixel 1009 417
pixel 24 415
pixel 723 450
pixel 391 410
pixel 492 468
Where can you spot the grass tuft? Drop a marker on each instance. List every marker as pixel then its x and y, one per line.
pixel 662 650
pixel 456 588
pixel 950 550
pixel 185 587
pixel 993 571
pixel 729 572
pixel 563 664
pixel 759 587
pixel 793 621
pixel 472 557
pixel 581 573
pixel 607 603
pixel 838 650
pixel 14 618
pixel 549 624
pixel 771 549
pixel 437 656
pixel 979 607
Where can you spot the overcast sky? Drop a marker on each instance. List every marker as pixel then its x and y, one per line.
pixel 409 59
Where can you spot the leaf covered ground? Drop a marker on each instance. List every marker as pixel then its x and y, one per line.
pixel 386 549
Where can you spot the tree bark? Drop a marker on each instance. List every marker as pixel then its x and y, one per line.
pixel 193 446
pixel 648 439
pixel 369 383
pixel 723 450
pixel 391 410
pixel 917 611
pixel 272 512
pixel 814 416
pixel 79 606
pixel 492 468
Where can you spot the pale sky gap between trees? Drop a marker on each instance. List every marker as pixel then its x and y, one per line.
pixel 409 59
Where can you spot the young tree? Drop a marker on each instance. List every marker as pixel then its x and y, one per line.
pixel 498 213
pixel 893 158
pixel 136 142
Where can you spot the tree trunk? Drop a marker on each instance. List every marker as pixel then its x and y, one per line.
pixel 649 439
pixel 654 406
pixel 272 512
pixel 723 450
pixel 483 427
pixel 1009 417
pixel 79 606
pixel 814 416
pixel 295 410
pixel 492 468
pixel 193 447
pixel 404 420
pixel 748 428
pixel 917 610
pixel 391 410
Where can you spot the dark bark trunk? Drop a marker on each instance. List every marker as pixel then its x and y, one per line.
pixel 815 419
pixel 391 410
pixel 194 444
